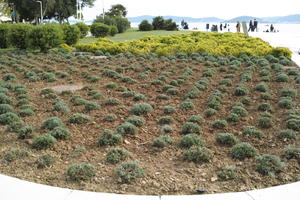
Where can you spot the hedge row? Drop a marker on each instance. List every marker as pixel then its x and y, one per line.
pixel 223 44
pixel 42 37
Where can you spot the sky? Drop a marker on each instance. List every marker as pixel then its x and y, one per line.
pixel 225 9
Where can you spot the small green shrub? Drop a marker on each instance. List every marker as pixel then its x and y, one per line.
pixel 8 118
pixel 127 128
pixel 190 127
pixel 52 123
pixel 44 161
pixel 15 154
pixel 227 173
pixel 100 30
pixel 165 120
pixel 252 131
pixel 162 141
pixel 219 124
pixel 286 103
pixel 265 122
pixel 110 118
pixel 25 132
pixel 60 133
pixel 79 118
pixel 169 110
pixel 288 92
pixel 190 140
pixel 210 112
pixel 83 29
pixel 172 91
pixel 43 142
pixel 265 107
pixel 4 99
pixel 196 119
pixel 239 110
pixel 5 108
pixel 198 154
pixel 141 109
pixel 266 96
pixel 287 134
pixel 60 106
pixel 243 150
pixel 282 78
pixel 262 87
pixel 269 164
pixel 116 155
pixel 136 120
pixel 81 172
pixel 19 35
pixel 187 105
pixel 26 112
pixel 71 34
pixel 166 129
pixel 228 139
pixel 129 171
pixel 9 77
pixel 241 91
pixel 110 138
pixel 293 124
pixel 91 105
pixel 292 152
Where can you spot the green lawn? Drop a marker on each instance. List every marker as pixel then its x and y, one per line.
pixel 133 34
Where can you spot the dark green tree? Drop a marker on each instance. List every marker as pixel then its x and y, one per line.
pixel 117 10
pixel 145 26
pixel 158 23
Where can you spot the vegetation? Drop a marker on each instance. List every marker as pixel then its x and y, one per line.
pixel 81 172
pixel 129 171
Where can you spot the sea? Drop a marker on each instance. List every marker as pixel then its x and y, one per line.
pixel 285 35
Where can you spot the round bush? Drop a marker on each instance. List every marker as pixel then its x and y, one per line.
pixel 190 140
pixel 287 134
pixel 187 105
pixel 282 78
pixel 169 110
pixel 100 30
pixel 60 133
pixel 241 91
pixel 227 173
pixel 71 34
pixel 141 109
pixel 45 37
pixel 292 152
pixel 198 154
pixel 227 139
pixel 83 28
pixel 145 26
pixel 288 92
pixel 129 171
pixel 81 172
pixel 165 120
pixel 79 118
pixel 293 124
pixel 110 138
pixel 4 33
pixel 8 118
pixel 265 107
pixel 269 164
pixel 210 112
pixel 116 155
pixel 91 105
pixel 286 103
pixel 196 119
pixel 219 124
pixel 265 122
pixel 5 108
pixel 162 141
pixel 239 110
pixel 4 99
pixel 243 150
pixel 166 129
pixel 52 123
pixel 252 131
pixel 113 30
pixel 127 128
pixel 190 127
pixel 262 87
pixel 43 142
pixel 44 161
pixel 136 120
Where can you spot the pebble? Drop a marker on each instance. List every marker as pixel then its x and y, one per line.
pixel 213 179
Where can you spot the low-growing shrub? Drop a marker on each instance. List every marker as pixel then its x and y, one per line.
pixel 5 108
pixel 227 139
pixel 60 106
pixel 43 142
pixel 25 132
pixel 243 150
pixel 52 123
pixel 26 112
pixel 187 105
pixel 116 155
pixel 60 133
pixel 162 141
pixel 4 99
pixel 265 107
pixel 292 152
pixel 190 127
pixel 293 124
pixel 198 154
pixel 241 91
pixel 166 129
pixel 129 171
pixel 288 92
pixel 210 112
pixel 14 154
pixel 110 138
pixel 165 120
pixel 127 128
pixel 44 161
pixel 79 118
pixel 8 118
pixel 195 119
pixel 287 134
pixel 169 110
pixel 286 103
pixel 252 131
pixel 269 164
pixel 239 110
pixel 141 109
pixel 265 122
pixel 219 124
pixel 233 117
pixel 81 172
pixel 91 105
pixel 227 173
pixel 190 140
pixel 136 120
pixel 262 87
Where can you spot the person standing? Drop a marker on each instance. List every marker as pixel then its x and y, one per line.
pixel 238 27
pixel 255 24
pixel 250 26
pixel 207 27
pixel 221 27
pixel 272 28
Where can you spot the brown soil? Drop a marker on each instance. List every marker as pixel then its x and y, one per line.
pixel 166 170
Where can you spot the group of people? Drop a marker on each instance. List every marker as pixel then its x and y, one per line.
pixel 214 28
pixel 253 26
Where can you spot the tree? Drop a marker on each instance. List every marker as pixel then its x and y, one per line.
pixel 158 23
pixel 145 26
pixel 117 10
pixel 169 25
pixel 58 9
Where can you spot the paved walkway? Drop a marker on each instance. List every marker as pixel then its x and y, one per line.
pixel 16 189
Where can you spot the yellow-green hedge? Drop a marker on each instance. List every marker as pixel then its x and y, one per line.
pixel 223 44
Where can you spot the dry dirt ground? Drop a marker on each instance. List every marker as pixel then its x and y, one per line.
pixel 166 170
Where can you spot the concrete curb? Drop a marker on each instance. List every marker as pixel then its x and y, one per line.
pixel 17 189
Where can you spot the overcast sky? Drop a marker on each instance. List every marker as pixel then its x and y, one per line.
pixel 225 9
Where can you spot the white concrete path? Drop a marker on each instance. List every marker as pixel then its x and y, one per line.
pixel 16 189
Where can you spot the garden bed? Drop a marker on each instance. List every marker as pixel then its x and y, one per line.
pixel 225 124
